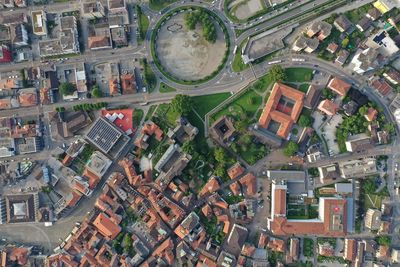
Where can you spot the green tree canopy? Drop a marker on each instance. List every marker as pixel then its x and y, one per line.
pixel 182 104
pixel 305 121
pixel 220 155
pixel 67 88
pixel 189 147
pixel 277 73
pixel 290 149
pixel 96 92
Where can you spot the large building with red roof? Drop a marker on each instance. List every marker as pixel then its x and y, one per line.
pixel 339 86
pixel 106 226
pixel 5 54
pixel 282 110
pixel 332 219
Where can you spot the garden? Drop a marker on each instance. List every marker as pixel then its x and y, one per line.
pixel 308 247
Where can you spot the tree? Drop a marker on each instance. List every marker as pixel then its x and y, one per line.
pixel 363 110
pixel 291 149
pixel 305 121
pixel 345 42
pixel 182 104
pixel 96 92
pixel 277 73
pixel 220 170
pixel 390 128
pixel 220 155
pixel 67 88
pixel 241 126
pixel 188 147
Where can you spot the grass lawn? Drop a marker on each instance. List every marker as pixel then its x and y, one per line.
pixel 372 201
pixel 157 5
pixel 308 247
pixel 143 25
pixel 164 88
pixel 298 75
pixel 205 103
pixel 165 111
pixel 237 63
pixel 150 112
pixel 137 117
pixel 263 84
pixel 304 87
pixel 245 106
pixel 250 156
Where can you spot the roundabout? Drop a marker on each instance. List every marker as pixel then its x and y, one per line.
pixel 190 45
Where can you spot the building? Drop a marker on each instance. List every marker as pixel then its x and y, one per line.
pixel 119 37
pixel 116 6
pixel 282 110
pixel 366 60
pixel 319 29
pixel 100 38
pixel 75 74
pixel 342 23
pixel 5 54
pixel 339 86
pixel 236 239
pixel 184 131
pixel 357 168
pixel 382 42
pixel 223 129
pixel 385 6
pixel 364 24
pixel 28 97
pixel 350 249
pixel 106 226
pixel 92 9
pixel 13 18
pixel 372 219
pixel 393 76
pixel 98 164
pixel 21 208
pixel 128 83
pixel 382 87
pixel 332 218
pixel 19 35
pixel 66 43
pixel 309 45
pixel 373 14
pixel 371 115
pixel 107 137
pixel 39 22
pixel 328 107
pixel 68 123
pixel 332 48
pixel 358 142
pixel 148 130
pixel 342 56
pixel 170 165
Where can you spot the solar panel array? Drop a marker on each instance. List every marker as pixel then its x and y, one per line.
pixel 104 135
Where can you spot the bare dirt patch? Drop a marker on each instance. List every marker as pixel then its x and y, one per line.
pixel 243 9
pixel 185 54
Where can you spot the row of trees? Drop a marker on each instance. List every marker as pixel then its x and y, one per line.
pixel 90 106
pixel 206 21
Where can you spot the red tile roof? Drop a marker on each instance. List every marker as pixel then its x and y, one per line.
pixel 279 112
pixel 382 87
pixel 128 83
pixel 106 226
pixel 5 103
pixel 44 96
pixel 126 123
pixel 235 171
pixel 93 179
pixel 28 99
pixel 328 107
pixel 339 86
pixel 113 86
pixel 249 181
pixel 207 211
pixel 371 114
pixel 332 47
pixel 19 255
pixel 210 187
